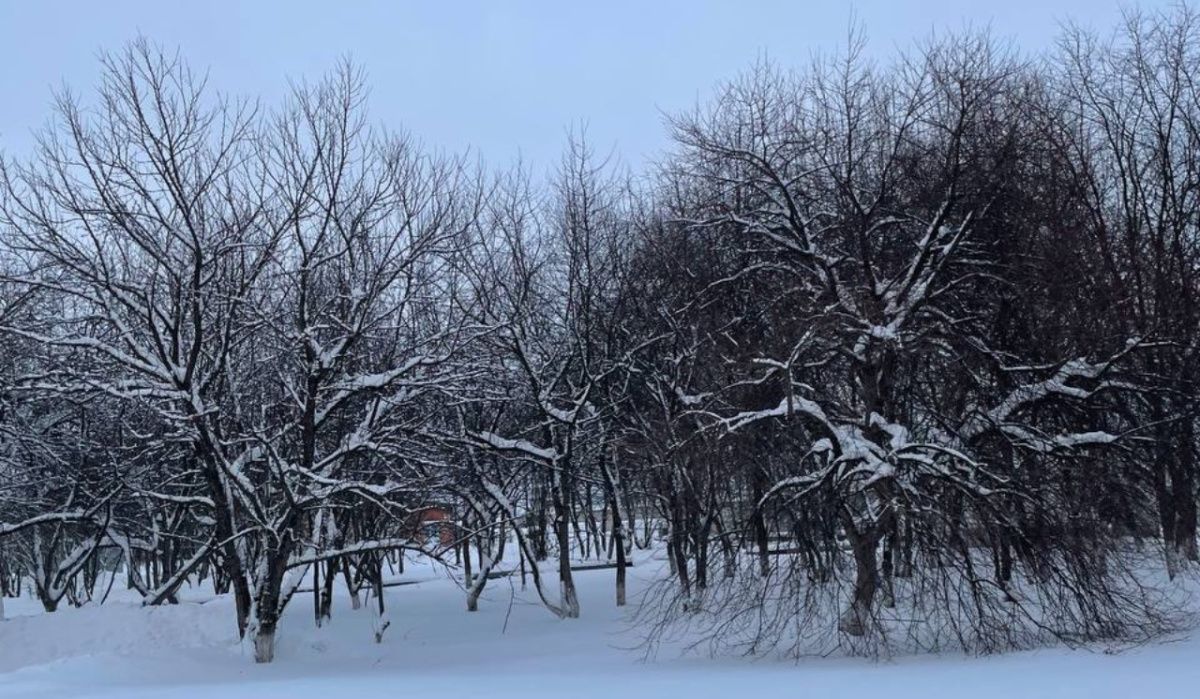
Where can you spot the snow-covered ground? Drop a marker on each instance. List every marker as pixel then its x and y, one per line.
pixel 510 648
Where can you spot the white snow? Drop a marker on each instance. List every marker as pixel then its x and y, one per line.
pixel 512 647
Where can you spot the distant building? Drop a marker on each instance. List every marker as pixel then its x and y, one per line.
pixel 435 523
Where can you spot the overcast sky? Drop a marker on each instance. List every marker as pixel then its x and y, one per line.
pixel 501 77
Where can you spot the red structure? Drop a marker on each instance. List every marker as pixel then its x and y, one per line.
pixel 435 523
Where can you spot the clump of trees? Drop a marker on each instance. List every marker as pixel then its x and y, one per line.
pixel 899 355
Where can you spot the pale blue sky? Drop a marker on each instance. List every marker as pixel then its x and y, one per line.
pixel 501 77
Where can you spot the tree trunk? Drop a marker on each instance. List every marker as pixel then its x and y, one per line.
pixel 351 585
pixel 758 525
pixel 856 620
pixel 316 591
pixel 619 545
pixel 267 605
pixel 1183 483
pixel 331 569
pixel 562 525
pixel 381 620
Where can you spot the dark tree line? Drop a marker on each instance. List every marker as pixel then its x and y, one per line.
pixel 877 355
